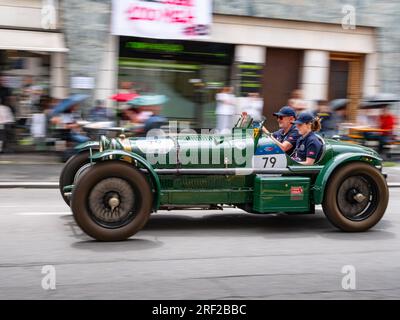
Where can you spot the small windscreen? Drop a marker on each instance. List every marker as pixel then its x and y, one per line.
pixel 244 121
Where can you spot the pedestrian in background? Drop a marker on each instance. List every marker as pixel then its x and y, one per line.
pixel 25 100
pixel 6 123
pixel 255 106
pixel 40 122
pixel 5 92
pixel 69 120
pixel 99 112
pixel 329 119
pixel 387 123
pixel 297 102
pixel 226 104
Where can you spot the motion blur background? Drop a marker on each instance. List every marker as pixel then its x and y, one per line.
pixel 326 49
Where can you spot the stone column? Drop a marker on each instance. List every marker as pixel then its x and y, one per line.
pixel 248 71
pixel 106 84
pixel 371 75
pixel 86 28
pixel 245 54
pixel 252 54
pixel 315 75
pixel 58 88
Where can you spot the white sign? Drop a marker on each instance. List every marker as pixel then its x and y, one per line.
pixel 82 82
pixel 162 19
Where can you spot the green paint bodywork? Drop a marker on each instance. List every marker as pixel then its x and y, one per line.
pixel 255 193
pixel 206 189
pixel 287 194
pixel 118 154
pixel 333 164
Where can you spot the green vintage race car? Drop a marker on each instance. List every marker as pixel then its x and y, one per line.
pixel 114 185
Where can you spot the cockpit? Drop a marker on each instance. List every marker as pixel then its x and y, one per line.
pixel 246 122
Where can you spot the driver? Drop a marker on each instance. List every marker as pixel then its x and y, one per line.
pixel 287 136
pixel 308 147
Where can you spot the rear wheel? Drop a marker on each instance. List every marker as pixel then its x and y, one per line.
pixel 112 202
pixel 356 197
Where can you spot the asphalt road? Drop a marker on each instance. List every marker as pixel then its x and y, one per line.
pixel 26 171
pixel 193 255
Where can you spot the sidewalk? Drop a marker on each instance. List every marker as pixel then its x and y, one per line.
pixel 393 177
pixel 30 170
pixel 43 171
pixel 30 158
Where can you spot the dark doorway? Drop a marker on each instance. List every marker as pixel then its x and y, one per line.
pixel 189 73
pixel 281 77
pixel 345 80
pixel 338 79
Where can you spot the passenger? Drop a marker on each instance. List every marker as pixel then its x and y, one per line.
pixel 287 136
pixel 309 146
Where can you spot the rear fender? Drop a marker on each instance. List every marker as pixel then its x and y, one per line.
pixel 335 163
pixel 132 157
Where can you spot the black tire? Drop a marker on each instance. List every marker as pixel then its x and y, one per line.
pixel 342 208
pixel 91 196
pixel 71 167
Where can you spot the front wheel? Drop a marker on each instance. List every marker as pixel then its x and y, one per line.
pixel 112 202
pixel 71 168
pixel 356 197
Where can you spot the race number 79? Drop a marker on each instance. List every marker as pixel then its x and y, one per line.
pixel 271 160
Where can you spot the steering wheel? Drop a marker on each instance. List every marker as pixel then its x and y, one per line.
pixel 258 125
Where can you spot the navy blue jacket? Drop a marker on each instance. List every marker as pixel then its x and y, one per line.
pixel 291 136
pixel 307 147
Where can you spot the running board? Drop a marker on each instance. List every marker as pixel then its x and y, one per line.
pixel 243 171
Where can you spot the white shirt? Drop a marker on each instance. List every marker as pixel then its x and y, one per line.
pixel 254 108
pixel 6 115
pixel 38 126
pixel 225 104
pixel 144 115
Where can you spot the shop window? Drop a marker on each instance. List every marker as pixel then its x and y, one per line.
pixel 189 73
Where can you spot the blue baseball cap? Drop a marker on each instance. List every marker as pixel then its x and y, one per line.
pixel 304 117
pixel 285 112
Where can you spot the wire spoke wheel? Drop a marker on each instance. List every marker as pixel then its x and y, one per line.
pixel 357 197
pixel 112 203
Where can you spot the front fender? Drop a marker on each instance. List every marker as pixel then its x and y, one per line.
pixel 118 154
pixel 333 164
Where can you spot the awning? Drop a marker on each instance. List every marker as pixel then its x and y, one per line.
pixel 32 40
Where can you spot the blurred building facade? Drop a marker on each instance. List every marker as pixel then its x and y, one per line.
pixel 328 49
pixel 32 45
